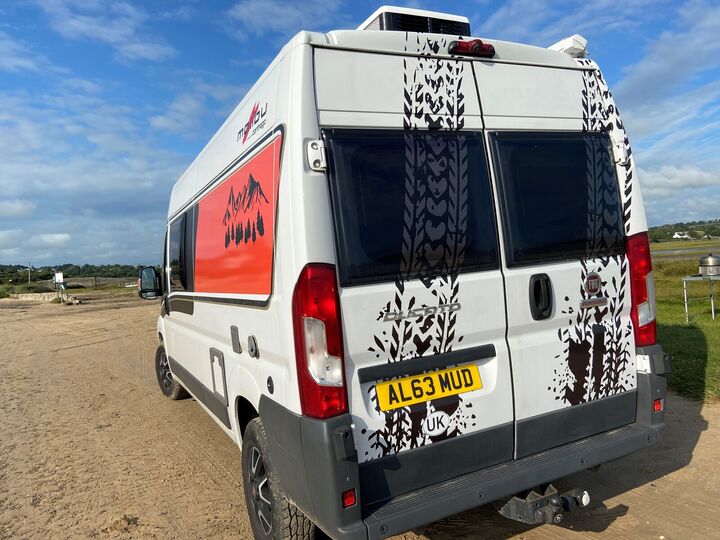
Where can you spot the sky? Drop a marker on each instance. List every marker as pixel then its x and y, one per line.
pixel 103 104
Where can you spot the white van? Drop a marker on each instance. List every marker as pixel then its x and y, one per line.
pixel 409 276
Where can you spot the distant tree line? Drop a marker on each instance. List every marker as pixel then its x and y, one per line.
pixel 18 273
pixel 694 229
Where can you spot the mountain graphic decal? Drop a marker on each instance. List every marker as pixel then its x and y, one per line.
pixel 243 215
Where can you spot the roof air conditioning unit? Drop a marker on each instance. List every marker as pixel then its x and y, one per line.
pixel 416 20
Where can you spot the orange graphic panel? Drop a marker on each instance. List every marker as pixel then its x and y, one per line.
pixel 236 228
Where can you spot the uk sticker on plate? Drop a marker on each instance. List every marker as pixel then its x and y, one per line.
pixel 420 388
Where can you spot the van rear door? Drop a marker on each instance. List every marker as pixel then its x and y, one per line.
pixel 422 305
pixel 566 273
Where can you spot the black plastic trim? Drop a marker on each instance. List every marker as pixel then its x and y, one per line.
pixel 573 423
pixel 390 476
pixel 419 365
pixel 660 361
pixel 316 462
pixel 201 392
pixel 181 304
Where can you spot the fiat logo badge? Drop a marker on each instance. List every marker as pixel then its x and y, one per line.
pixel 592 284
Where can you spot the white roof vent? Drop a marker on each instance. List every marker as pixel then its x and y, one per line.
pixel 575 46
pixel 402 19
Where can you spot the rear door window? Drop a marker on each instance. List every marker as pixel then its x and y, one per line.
pixel 559 196
pixel 410 204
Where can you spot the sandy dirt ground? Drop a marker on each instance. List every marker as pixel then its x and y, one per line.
pixel 89 447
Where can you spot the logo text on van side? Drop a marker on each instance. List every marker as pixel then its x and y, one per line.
pixel 255 123
pixel 420 312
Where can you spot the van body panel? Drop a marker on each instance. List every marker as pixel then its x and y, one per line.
pixel 376 84
pixel 513 91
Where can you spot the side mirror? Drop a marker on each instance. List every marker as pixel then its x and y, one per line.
pixel 149 284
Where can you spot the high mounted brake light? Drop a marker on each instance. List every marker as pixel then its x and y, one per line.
pixel 472 47
pixel 318 342
pixel 642 290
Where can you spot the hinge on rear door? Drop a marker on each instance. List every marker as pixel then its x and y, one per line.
pixel 316 155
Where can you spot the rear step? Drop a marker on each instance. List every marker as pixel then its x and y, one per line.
pixel 534 508
pixel 488 485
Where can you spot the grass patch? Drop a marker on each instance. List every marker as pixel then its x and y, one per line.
pixel 7 290
pixel 692 249
pixel 694 347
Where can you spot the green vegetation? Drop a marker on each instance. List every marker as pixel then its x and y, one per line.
pixel 13 273
pixel 694 229
pixel 694 347
pixel 685 249
pixel 7 290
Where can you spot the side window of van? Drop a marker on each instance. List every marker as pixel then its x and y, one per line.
pixel 176 254
pixel 182 251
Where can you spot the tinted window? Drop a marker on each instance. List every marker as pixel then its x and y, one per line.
pixel 177 254
pixel 410 204
pixel 559 196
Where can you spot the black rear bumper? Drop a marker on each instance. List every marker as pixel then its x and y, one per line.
pixel 316 462
pixel 475 489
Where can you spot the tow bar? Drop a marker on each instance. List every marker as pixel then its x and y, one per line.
pixel 546 506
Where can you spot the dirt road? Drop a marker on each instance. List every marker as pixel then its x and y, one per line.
pixel 90 448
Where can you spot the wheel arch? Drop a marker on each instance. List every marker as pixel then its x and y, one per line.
pixel 244 413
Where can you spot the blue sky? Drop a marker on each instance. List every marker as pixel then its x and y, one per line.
pixel 103 104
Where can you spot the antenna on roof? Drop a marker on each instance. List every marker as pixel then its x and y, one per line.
pixel 575 46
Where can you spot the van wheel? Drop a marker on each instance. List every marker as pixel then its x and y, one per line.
pixel 169 386
pixel 272 516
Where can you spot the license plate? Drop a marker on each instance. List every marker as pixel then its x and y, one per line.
pixel 420 388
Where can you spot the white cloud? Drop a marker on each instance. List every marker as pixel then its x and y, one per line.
pixel 16 208
pixel 180 13
pixel 668 180
pixel 283 17
pixel 15 56
pixel 9 238
pixel 543 22
pixel 117 24
pixel 49 240
pixel 182 116
pixel 81 85
pixel 675 57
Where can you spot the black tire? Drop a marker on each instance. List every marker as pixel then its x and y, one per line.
pixel 272 516
pixel 168 385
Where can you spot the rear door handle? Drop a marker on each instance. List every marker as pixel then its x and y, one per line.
pixel 541 296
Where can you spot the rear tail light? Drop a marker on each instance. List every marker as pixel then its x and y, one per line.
pixel 348 498
pixel 658 405
pixel 472 47
pixel 642 290
pixel 318 342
